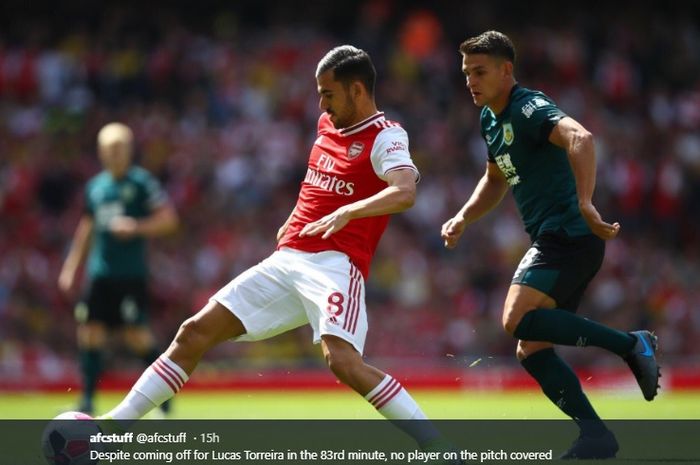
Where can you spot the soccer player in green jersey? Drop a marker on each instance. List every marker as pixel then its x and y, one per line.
pixel 124 206
pixel 547 158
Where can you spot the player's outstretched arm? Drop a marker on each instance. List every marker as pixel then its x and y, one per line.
pixel 76 255
pixel 486 196
pixel 398 196
pixel 570 135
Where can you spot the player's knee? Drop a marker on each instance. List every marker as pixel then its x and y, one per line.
pixel 510 321
pixel 336 363
pixel 191 336
pixel 529 348
pixel 342 364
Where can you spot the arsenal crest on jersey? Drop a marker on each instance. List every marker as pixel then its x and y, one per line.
pixel 355 149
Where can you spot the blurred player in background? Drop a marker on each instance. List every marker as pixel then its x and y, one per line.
pixel 359 172
pixel 124 206
pixel 548 160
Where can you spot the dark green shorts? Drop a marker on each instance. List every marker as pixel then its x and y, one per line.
pixel 115 302
pixel 561 266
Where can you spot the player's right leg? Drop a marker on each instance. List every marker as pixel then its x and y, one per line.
pixel 255 305
pixel 167 375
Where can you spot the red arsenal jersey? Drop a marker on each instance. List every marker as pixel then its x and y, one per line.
pixel 345 166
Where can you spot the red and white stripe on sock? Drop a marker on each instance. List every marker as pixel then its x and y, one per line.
pixel 169 372
pixel 383 392
pixel 393 401
pixel 162 380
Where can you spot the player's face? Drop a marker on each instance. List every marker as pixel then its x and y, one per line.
pixel 116 157
pixel 487 78
pixel 335 99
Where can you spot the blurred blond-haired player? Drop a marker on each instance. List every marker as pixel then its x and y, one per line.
pixel 124 206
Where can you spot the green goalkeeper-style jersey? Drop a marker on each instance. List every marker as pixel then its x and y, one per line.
pixel 538 171
pixel 136 194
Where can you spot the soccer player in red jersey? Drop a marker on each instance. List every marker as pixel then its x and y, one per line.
pixel 359 172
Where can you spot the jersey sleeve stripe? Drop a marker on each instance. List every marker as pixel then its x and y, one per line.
pixel 404 167
pixel 401 167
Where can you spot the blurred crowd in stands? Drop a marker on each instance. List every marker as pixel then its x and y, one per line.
pixel 223 103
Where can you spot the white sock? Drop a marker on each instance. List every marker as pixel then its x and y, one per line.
pixel 393 401
pixel 161 381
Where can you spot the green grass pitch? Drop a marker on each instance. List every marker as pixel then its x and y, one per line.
pixel 343 404
pixel 446 404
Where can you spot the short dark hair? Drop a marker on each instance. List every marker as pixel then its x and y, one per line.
pixel 349 64
pixel 492 43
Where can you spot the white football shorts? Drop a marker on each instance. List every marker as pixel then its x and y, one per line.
pixel 292 288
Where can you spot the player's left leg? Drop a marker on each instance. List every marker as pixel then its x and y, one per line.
pixel 561 386
pixel 384 392
pixel 332 292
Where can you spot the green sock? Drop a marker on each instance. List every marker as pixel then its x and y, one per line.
pixel 91 368
pixel 561 385
pixel 566 328
pixel 150 357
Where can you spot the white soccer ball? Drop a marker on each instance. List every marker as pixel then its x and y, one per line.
pixel 66 439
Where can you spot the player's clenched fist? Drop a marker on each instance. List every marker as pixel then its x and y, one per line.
pixel 599 227
pixel 452 230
